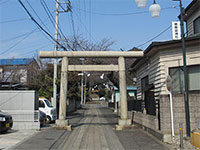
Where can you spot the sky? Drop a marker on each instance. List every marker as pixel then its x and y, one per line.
pixel 119 21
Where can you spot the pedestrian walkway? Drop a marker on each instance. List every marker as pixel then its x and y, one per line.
pixel 93 129
pixel 13 137
pixel 92 132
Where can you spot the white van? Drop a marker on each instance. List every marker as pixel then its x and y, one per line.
pixel 46 107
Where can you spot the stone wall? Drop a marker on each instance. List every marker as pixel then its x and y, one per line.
pixel 150 122
pixel 179 112
pixel 146 120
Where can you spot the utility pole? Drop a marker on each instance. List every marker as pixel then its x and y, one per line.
pixel 55 60
pixel 187 111
pixel 82 92
pixel 56 47
pixel 85 75
pixel 186 96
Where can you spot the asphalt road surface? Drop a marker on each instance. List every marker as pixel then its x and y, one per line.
pixel 93 129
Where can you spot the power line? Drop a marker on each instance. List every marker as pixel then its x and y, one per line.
pixel 155 37
pixel 44 5
pixel 18 42
pixel 35 49
pixel 15 20
pixel 85 27
pixel 61 6
pixel 27 35
pixel 40 25
pixel 16 37
pixel 37 15
pixel 72 21
pixel 118 14
pixel 60 30
pixel 47 10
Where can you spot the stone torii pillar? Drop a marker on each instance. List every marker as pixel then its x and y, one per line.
pixel 123 121
pixel 62 121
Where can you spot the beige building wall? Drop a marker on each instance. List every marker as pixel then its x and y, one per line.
pixel 189 23
pixel 157 67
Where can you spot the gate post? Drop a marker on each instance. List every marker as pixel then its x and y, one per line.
pixel 124 121
pixel 62 121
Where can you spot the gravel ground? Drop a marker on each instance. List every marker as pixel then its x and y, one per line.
pixel 186 144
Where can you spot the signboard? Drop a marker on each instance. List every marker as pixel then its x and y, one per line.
pixel 176 30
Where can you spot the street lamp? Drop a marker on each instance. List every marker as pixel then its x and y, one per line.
pixel 155 12
pixel 154 9
pixel 141 3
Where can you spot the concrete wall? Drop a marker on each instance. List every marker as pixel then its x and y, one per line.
pixel 179 112
pixel 146 120
pixel 23 106
pixel 18 100
pixel 148 123
pixel 73 105
pixel 151 123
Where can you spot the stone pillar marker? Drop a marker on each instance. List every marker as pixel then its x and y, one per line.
pixel 123 121
pixel 62 121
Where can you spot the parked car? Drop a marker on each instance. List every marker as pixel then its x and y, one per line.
pixel 43 118
pixel 6 122
pixel 46 107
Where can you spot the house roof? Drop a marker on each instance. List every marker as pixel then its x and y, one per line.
pixel 16 61
pixel 156 46
pixel 190 9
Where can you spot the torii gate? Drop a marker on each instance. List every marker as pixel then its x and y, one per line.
pixel 62 121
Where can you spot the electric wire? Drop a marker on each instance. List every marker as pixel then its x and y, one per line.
pixel 85 27
pixel 51 18
pixel 60 30
pixel 18 42
pixel 15 20
pixel 58 26
pixel 155 37
pixel 47 10
pixel 26 36
pixel 61 6
pixel 37 15
pixel 46 45
pixel 16 37
pixel 73 26
pixel 40 25
pixel 21 35
pixel 119 14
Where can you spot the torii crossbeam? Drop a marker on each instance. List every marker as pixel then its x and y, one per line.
pixel 62 122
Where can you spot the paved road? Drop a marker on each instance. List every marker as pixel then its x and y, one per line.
pixel 93 129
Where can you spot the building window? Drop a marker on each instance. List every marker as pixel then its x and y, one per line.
pixel 196 25
pixel 177 75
